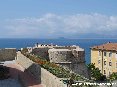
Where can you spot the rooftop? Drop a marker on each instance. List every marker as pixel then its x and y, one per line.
pixel 59 50
pixel 44 45
pixel 78 49
pixel 108 46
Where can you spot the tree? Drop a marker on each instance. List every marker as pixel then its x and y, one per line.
pixel 95 72
pixel 24 50
pixel 113 76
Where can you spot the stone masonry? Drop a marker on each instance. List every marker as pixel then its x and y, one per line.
pixel 7 54
pixel 73 60
pixel 44 77
pixel 41 52
pixel 29 66
pixel 69 57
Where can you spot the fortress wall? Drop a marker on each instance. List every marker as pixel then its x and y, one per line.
pixel 80 68
pixel 64 47
pixel 70 60
pixel 42 75
pixel 60 55
pixel 79 56
pixel 66 55
pixel 42 52
pixel 29 66
pixel 7 54
pixel 49 80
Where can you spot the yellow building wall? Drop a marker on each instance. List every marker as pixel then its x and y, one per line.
pixel 111 59
pixel 114 61
pixel 95 58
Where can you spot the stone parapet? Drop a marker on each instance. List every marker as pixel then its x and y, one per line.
pixel 7 54
pixel 49 80
pixel 29 66
pixel 41 74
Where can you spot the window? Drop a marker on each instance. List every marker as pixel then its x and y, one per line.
pixel 104 53
pixel 110 54
pixel 104 62
pixel 104 71
pixel 98 61
pixel 99 53
pixel 110 63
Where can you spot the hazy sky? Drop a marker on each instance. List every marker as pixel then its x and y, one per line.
pixel 58 18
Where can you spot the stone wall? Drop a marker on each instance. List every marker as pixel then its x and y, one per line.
pixel 78 56
pixel 29 66
pixel 81 69
pixel 70 60
pixel 49 80
pixel 7 54
pixel 46 78
pixel 64 47
pixel 65 55
pixel 69 57
pixel 41 52
pixel 60 55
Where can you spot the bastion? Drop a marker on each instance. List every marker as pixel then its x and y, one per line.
pixel 69 57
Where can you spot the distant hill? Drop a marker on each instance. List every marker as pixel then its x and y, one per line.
pixel 62 38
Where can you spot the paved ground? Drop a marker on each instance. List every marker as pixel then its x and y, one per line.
pixel 16 71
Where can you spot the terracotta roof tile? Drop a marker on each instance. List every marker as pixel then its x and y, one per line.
pixel 107 46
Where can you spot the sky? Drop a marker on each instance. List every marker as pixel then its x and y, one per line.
pixel 58 18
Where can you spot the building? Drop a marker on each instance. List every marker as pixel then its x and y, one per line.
pixel 69 57
pixel 105 57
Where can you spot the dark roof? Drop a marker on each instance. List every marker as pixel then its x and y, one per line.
pixel 108 46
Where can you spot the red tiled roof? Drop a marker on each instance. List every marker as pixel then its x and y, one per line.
pixel 108 46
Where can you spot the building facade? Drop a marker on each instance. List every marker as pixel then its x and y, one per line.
pixel 105 58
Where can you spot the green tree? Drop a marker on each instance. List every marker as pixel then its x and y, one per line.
pixel 24 50
pixel 113 76
pixel 94 72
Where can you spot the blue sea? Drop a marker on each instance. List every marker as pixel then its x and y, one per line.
pixel 84 43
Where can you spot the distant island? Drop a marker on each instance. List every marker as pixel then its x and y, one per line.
pixel 62 38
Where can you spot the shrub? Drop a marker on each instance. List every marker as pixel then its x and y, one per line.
pixel 113 76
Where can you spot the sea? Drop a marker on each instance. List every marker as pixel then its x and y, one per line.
pixel 83 43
